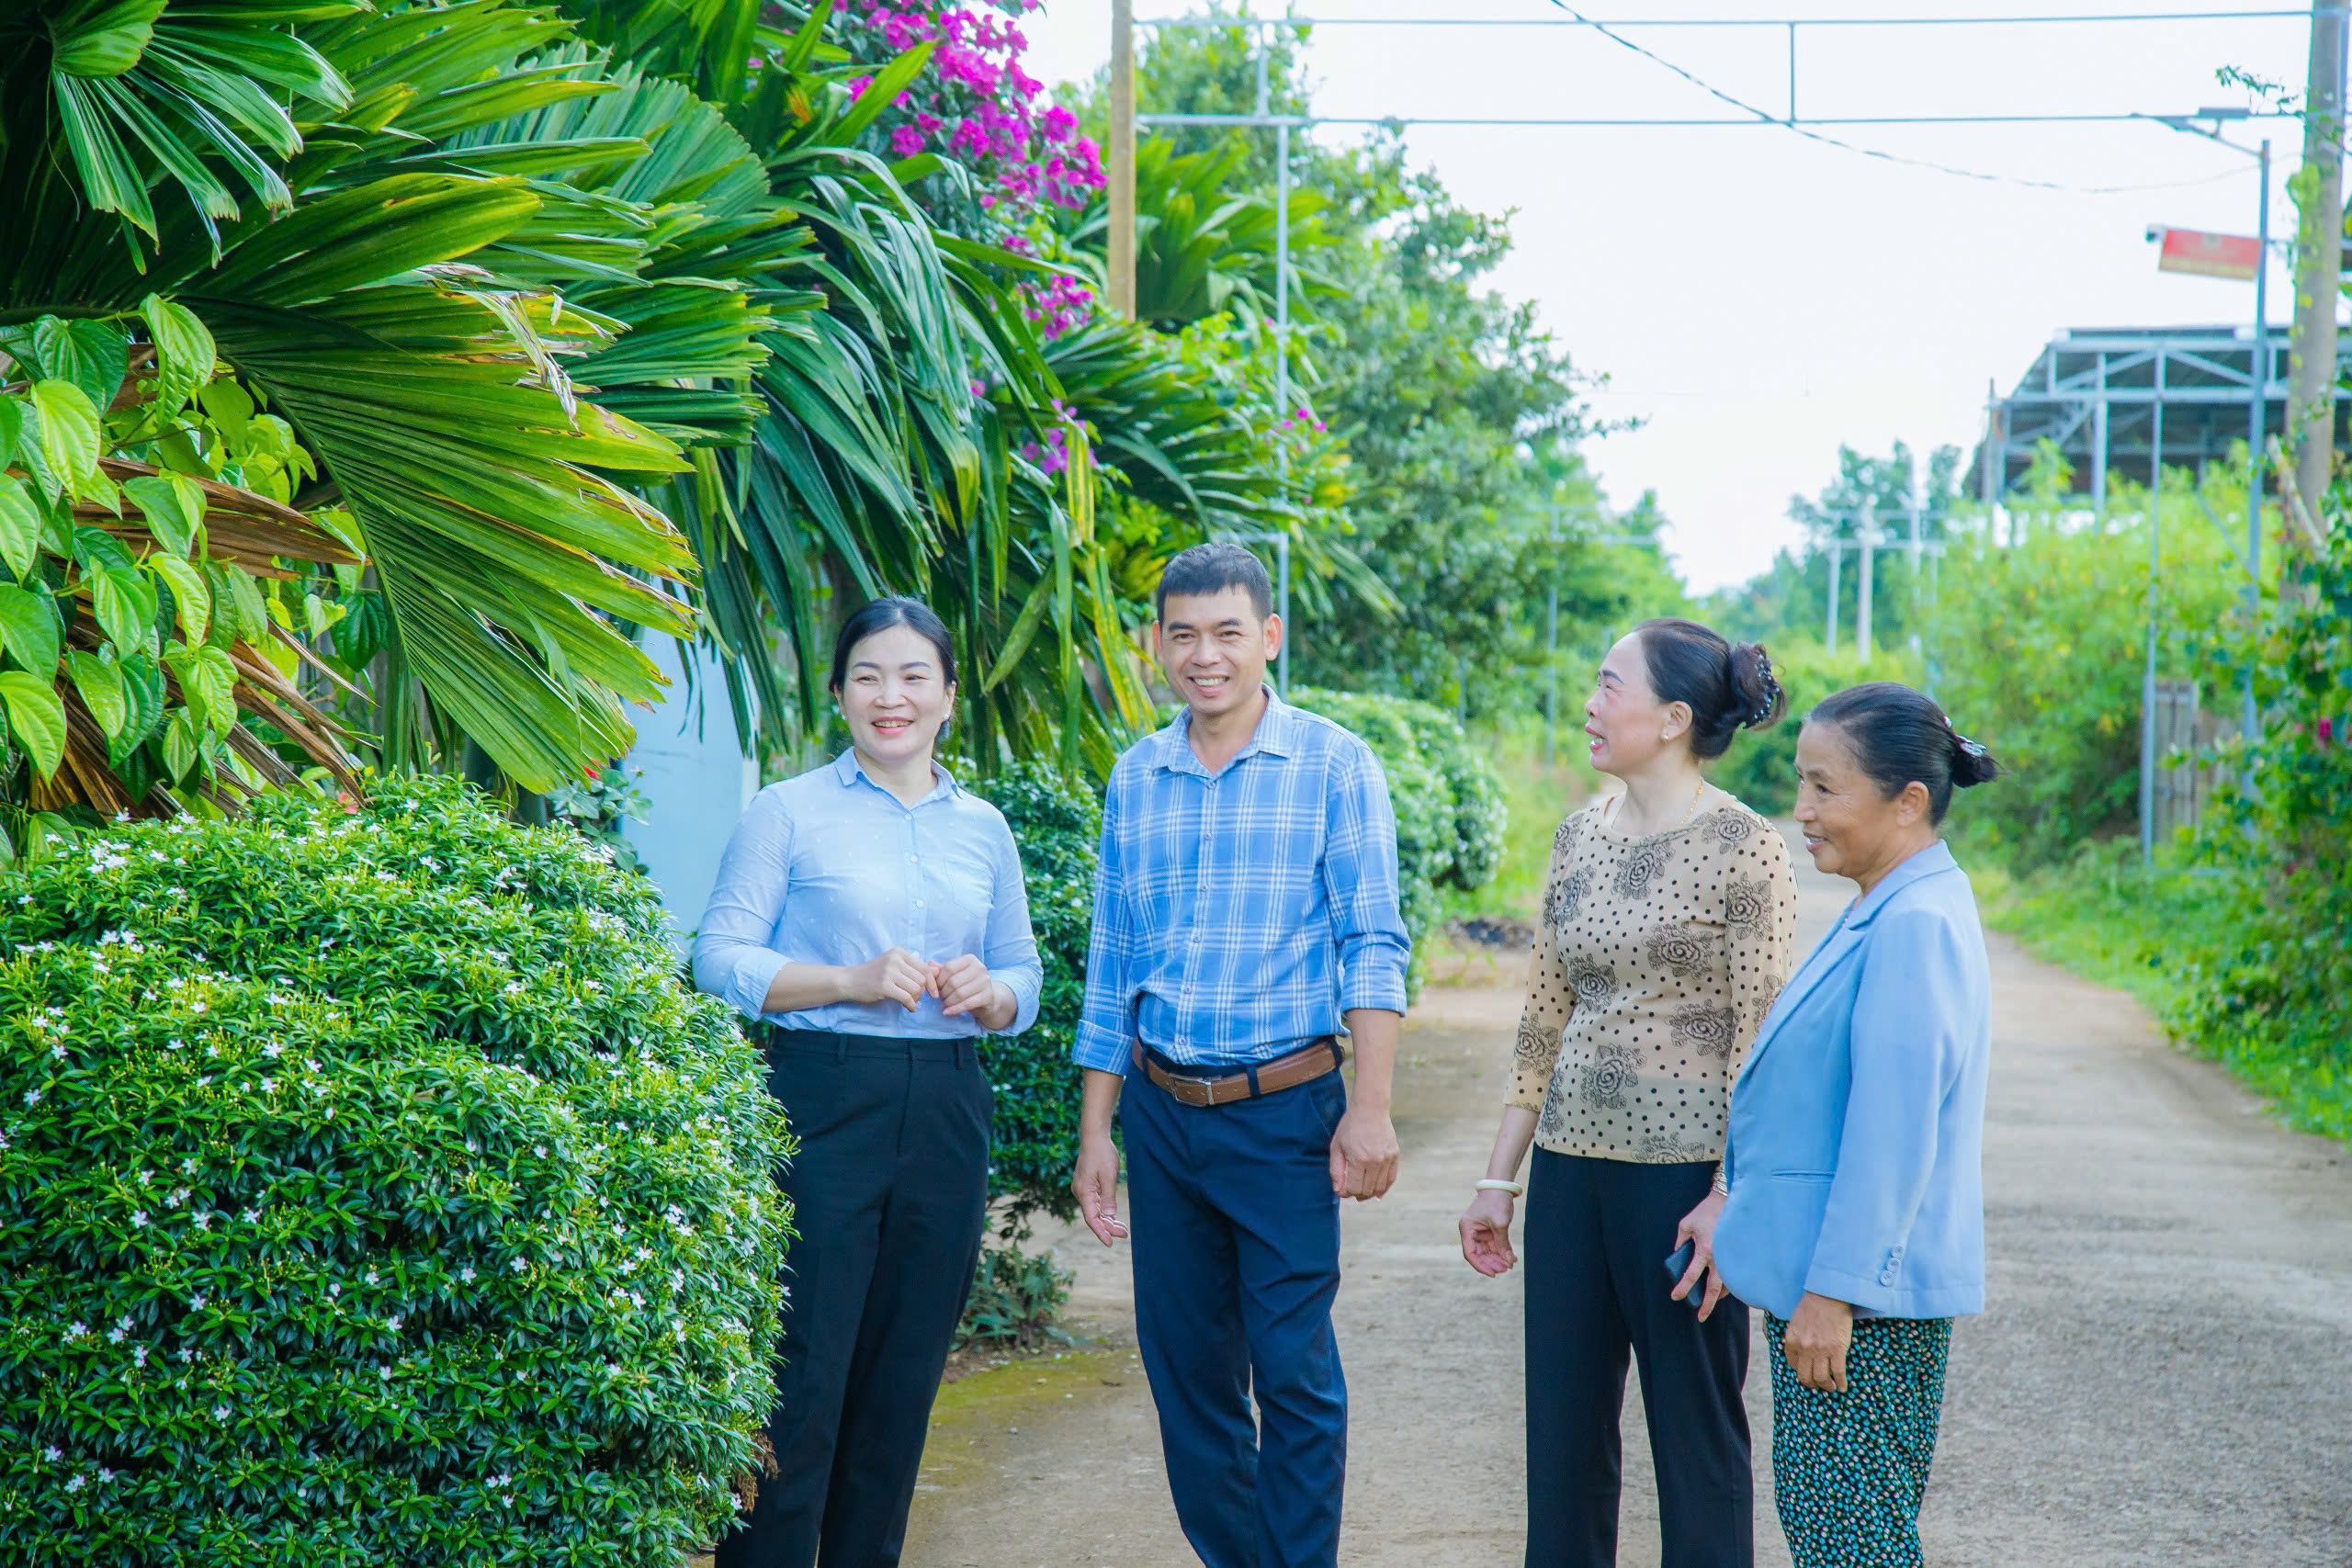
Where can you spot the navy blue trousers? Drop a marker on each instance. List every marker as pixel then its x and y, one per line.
pixel 889 1194
pixel 1597 1235
pixel 1236 1258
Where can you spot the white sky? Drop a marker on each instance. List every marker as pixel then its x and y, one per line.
pixel 1758 298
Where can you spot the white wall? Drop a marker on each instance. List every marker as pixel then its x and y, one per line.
pixel 697 779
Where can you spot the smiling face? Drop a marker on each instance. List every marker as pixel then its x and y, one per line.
pixel 1852 829
pixel 893 695
pixel 1214 649
pixel 1626 728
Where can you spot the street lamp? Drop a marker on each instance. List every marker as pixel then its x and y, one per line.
pixel 2257 362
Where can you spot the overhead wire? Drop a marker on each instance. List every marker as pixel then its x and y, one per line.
pixel 1797 127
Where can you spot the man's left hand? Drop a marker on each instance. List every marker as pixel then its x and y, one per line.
pixel 1363 1153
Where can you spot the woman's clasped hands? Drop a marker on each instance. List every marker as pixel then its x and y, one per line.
pixel 962 984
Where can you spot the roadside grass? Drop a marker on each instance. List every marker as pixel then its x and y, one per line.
pixel 2161 938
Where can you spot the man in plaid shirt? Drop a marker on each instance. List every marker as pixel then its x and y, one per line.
pixel 1244 915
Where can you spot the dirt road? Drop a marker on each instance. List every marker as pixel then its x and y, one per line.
pixel 2164 1377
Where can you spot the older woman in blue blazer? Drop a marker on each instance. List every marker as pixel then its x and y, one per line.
pixel 1856 1214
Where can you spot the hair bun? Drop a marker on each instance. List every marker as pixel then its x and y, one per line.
pixel 1972 764
pixel 1759 689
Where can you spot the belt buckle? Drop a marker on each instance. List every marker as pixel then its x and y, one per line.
pixel 1194 1091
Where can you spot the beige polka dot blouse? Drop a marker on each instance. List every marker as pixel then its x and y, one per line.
pixel 1654 962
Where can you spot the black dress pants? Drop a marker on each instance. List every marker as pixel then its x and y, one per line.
pixel 889 1192
pixel 1597 1235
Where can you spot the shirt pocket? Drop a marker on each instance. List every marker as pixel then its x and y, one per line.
pixel 964 883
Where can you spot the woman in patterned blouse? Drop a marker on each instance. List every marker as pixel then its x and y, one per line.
pixel 1669 922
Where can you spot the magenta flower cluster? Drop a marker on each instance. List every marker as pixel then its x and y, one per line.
pixel 1054 456
pixel 977 105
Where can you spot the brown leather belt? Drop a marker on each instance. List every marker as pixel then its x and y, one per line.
pixel 1302 1066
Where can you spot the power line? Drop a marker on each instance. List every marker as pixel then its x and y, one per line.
pixel 1796 127
pixel 2069 18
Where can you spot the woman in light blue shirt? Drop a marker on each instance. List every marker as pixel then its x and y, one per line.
pixel 1856 1214
pixel 870 915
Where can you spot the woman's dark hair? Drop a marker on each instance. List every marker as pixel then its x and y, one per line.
pixel 880 615
pixel 1899 735
pixel 1727 688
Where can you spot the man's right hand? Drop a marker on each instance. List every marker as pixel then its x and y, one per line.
pixel 1095 1179
pixel 897 976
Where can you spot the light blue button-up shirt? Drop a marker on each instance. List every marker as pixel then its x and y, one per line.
pixel 1239 914
pixel 831 868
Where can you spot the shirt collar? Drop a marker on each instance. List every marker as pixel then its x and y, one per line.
pixel 1276 735
pixel 848 771
pixel 1936 857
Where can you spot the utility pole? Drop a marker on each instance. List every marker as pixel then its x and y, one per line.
pixel 2259 363
pixel 2311 417
pixel 1829 638
pixel 1122 160
pixel 1866 537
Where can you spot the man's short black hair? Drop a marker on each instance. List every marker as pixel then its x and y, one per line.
pixel 1212 568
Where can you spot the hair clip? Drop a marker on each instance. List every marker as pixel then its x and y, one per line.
pixel 1971 747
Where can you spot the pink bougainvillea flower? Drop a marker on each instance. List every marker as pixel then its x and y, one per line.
pixel 906 141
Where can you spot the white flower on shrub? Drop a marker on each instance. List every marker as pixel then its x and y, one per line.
pixel 76 1329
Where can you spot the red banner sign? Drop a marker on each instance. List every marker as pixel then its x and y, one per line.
pixel 2209 255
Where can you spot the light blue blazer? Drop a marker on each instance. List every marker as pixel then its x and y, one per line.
pixel 1855 1155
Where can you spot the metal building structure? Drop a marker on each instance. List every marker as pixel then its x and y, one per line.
pixel 2114 397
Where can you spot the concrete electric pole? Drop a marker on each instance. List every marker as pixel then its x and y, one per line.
pixel 2311 417
pixel 1121 165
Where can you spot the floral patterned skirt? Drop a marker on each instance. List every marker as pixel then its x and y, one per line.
pixel 1849 1470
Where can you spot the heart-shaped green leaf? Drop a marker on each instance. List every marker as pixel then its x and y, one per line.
pixel 124 605
pixel 173 505
pixel 185 352
pixel 253 612
pixel 38 716
pixel 91 355
pixel 215 676
pixel 29 630
pixel 20 520
pixel 68 428
pixel 179 744
pixel 100 684
pixel 142 691
pixel 190 592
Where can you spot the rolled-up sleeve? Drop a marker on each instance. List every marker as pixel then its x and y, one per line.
pixel 732 960
pixel 1106 1039
pixel 1906 1055
pixel 1011 954
pixel 1360 885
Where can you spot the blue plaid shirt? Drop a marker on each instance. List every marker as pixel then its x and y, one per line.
pixel 1239 914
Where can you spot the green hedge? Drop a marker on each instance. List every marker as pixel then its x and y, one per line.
pixel 370 1193
pixel 1447 796
pixel 1058 826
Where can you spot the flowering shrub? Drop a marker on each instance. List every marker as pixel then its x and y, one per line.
pixel 370 1192
pixel 974 104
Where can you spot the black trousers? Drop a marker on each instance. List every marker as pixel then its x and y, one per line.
pixel 1598 1232
pixel 889 1192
